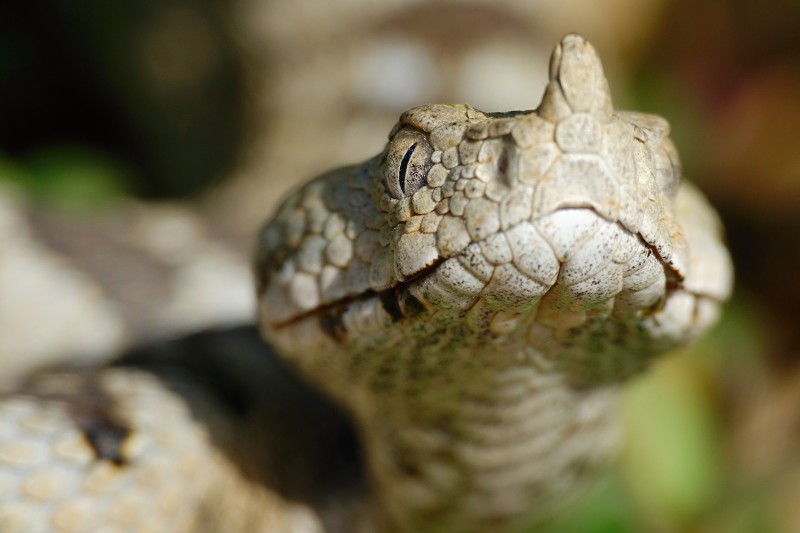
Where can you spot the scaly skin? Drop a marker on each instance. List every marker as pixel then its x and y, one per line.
pixel 475 293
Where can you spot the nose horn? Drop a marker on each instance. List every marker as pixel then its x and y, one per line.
pixel 577 82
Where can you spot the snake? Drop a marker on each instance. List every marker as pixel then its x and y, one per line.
pixel 472 299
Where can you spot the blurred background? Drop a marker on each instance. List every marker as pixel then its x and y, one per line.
pixel 143 142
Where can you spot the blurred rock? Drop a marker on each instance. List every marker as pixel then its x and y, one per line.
pixel 50 312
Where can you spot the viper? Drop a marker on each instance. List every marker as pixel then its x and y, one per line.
pixel 472 298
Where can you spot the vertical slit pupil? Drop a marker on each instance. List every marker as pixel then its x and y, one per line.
pixel 404 167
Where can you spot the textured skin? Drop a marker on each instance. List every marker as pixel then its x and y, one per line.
pixel 474 293
pixel 52 481
pixel 171 453
pixel 474 303
pixel 49 461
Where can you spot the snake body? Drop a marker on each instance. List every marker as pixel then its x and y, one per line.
pixel 473 296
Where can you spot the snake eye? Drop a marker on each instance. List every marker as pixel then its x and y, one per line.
pixel 407 162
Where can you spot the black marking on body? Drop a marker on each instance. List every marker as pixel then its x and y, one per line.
pixel 87 404
pixel 104 434
pixel 93 412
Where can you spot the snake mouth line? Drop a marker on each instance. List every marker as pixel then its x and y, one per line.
pixel 397 301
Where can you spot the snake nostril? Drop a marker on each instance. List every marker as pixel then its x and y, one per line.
pixel 502 163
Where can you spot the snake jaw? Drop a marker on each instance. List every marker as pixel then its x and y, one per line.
pixel 562 219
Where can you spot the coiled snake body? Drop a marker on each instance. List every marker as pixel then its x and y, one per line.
pixel 472 296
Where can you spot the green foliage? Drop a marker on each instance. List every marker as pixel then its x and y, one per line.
pixel 604 508
pixel 672 442
pixel 72 177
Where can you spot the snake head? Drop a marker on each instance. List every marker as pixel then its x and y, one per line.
pixel 559 215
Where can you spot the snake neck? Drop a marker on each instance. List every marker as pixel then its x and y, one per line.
pixel 460 437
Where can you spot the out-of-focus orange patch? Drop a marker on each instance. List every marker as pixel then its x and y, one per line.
pixel 754 145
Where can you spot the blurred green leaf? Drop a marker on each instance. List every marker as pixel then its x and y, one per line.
pixel 672 442
pixel 68 176
pixel 14 172
pixel 604 508
pixel 741 335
